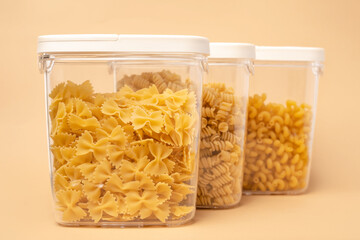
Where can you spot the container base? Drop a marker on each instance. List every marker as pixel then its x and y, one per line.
pixel 126 224
pixel 173 223
pixel 218 207
pixel 291 192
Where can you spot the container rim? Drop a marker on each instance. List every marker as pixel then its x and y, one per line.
pixel 232 50
pixel 306 54
pixel 125 43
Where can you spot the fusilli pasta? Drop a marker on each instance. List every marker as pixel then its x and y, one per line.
pixel 219 185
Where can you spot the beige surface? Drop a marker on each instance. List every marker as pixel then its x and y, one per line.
pixel 330 209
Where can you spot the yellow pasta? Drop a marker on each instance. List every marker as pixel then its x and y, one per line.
pixel 127 155
pixel 107 205
pixel 68 202
pixel 277 139
pixel 221 157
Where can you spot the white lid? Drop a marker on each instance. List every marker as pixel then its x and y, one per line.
pixel 232 50
pixel 122 43
pixel 307 54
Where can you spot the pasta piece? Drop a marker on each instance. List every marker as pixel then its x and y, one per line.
pixel 87 169
pixel 159 82
pixel 108 124
pixel 107 204
pixel 122 208
pixel 190 103
pixel 82 109
pixel 60 183
pixel 183 128
pixel 162 212
pixel 164 178
pixel 72 173
pixel 116 155
pixel 154 120
pixel 63 139
pixel 137 201
pixel 82 91
pixel 117 136
pixel 128 169
pixel 137 152
pixel 58 93
pixel 175 100
pixel 111 108
pixel 180 191
pixel 159 165
pixel 145 181
pixel 59 123
pixel 102 172
pixel 164 192
pixel 86 145
pixel 115 185
pixel 67 202
pixel 92 191
pixel 180 211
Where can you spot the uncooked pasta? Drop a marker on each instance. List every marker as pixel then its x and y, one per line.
pixel 126 155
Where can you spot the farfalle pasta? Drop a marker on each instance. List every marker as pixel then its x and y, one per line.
pixel 276 155
pixel 221 156
pixel 124 156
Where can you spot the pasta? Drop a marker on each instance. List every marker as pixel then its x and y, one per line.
pixel 276 155
pixel 67 202
pixel 124 156
pixel 164 80
pixel 221 157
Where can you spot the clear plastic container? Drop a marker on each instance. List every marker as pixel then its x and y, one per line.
pixel 123 114
pixel 281 119
pixel 225 96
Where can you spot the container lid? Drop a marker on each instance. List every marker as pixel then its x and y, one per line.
pixel 308 54
pixel 232 50
pixel 122 43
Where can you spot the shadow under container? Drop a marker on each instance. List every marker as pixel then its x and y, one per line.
pixel 281 119
pixel 224 107
pixel 123 120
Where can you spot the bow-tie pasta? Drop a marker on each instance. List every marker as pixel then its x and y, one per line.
pixel 127 155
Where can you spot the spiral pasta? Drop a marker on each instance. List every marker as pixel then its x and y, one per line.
pixel 276 154
pixel 221 158
pixel 162 80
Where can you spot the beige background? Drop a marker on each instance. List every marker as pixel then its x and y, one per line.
pixel 331 207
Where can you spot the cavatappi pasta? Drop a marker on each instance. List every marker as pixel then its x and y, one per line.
pixel 276 155
pixel 221 156
pixel 123 156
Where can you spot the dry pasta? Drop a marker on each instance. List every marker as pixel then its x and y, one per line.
pixel 276 154
pixel 162 80
pixel 221 158
pixel 127 155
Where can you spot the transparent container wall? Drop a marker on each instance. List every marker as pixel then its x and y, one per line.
pixel 281 118
pixel 123 156
pixel 225 95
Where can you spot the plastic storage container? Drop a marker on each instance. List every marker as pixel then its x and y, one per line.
pixel 123 126
pixel 225 96
pixel 281 119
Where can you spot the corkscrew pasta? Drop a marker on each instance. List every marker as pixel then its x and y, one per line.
pixel 127 155
pixel 276 154
pixel 221 156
